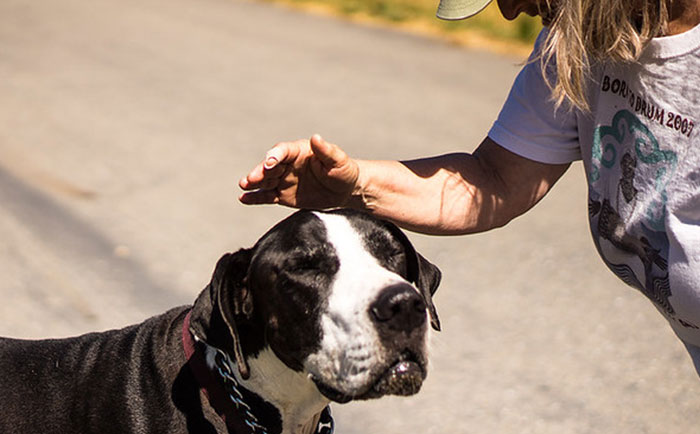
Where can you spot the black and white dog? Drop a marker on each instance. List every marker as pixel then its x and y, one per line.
pixel 329 306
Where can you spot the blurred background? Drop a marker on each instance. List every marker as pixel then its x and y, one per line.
pixel 125 126
pixel 486 30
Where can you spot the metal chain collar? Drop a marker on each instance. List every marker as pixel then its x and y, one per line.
pixel 231 386
pixel 225 371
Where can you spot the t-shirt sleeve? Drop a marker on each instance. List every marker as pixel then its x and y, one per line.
pixel 528 123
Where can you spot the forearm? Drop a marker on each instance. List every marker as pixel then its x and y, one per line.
pixel 428 195
pixel 454 193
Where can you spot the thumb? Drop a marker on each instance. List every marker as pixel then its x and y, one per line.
pixel 329 155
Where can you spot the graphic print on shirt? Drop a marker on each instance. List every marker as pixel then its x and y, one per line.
pixel 629 173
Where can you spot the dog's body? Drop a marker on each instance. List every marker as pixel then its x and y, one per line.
pixel 321 309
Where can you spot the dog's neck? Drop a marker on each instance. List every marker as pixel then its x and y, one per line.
pixel 294 394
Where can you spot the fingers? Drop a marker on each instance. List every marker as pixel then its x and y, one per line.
pixel 334 168
pixel 252 178
pixel 282 153
pixel 328 154
pixel 261 177
pixel 322 167
pixel 259 197
pixel 261 185
pixel 266 174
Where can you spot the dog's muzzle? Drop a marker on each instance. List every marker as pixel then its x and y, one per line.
pixel 398 316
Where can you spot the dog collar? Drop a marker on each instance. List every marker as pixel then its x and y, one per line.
pixel 224 392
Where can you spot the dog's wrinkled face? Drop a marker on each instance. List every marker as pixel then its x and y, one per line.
pixel 345 298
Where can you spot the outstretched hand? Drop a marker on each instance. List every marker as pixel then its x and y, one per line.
pixel 302 174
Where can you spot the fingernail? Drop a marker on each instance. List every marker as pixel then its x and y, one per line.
pixel 270 162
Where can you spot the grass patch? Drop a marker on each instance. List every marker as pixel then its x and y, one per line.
pixel 488 29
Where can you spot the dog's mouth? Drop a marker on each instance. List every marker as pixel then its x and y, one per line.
pixel 403 377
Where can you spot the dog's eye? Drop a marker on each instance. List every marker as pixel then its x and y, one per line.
pixel 395 259
pixel 395 254
pixel 306 268
pixel 304 264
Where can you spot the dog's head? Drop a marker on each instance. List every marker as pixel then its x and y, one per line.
pixel 339 295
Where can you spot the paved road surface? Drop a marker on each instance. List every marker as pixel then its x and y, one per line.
pixel 125 125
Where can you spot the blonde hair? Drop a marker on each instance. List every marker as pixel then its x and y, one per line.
pixel 584 32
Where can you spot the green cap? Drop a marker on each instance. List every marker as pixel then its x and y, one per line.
pixel 460 9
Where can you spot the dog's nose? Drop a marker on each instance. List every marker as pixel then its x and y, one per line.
pixel 399 308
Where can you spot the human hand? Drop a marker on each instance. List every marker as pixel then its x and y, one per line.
pixel 302 174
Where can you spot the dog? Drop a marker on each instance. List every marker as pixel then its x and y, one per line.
pixel 326 306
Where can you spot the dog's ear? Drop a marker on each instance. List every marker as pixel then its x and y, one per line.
pixel 428 279
pixel 228 296
pixel 421 272
pixel 234 298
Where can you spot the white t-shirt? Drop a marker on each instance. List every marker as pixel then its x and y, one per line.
pixel 640 147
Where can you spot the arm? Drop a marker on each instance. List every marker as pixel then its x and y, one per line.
pixel 456 193
pixel 448 194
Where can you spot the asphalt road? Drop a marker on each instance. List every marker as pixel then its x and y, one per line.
pixel 125 125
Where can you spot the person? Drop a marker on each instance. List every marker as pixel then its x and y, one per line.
pixel 614 83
